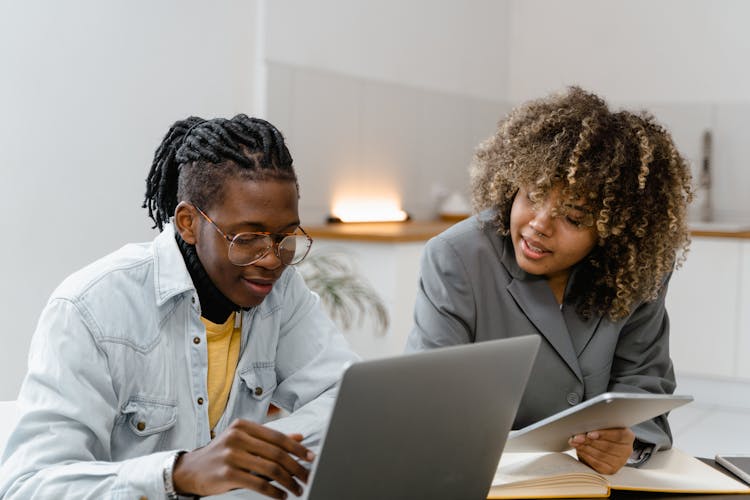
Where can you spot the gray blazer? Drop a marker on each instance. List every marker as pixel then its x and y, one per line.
pixel 471 289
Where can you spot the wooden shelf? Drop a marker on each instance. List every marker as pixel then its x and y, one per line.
pixel 386 232
pixel 721 234
pixel 398 232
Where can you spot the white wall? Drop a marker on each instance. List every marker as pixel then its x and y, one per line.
pixel 453 46
pixel 385 99
pixel 88 89
pixel 353 136
pixel 628 50
pixel 633 50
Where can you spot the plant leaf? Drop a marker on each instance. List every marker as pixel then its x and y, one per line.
pixel 345 294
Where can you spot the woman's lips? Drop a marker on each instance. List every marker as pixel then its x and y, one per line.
pixel 532 249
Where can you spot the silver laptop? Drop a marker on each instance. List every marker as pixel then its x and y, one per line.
pixel 426 425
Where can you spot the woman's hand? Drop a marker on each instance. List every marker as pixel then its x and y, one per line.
pixel 604 450
pixel 246 455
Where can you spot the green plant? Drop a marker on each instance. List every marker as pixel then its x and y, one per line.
pixel 344 293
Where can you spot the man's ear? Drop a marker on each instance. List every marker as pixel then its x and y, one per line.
pixel 186 222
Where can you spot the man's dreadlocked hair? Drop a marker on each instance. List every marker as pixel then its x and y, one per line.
pixel 626 168
pixel 197 156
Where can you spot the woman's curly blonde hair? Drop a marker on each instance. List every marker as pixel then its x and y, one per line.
pixel 623 165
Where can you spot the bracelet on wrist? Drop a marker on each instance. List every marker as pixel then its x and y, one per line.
pixel 168 474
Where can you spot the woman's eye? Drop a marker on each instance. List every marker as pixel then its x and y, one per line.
pixel 574 221
pixel 534 205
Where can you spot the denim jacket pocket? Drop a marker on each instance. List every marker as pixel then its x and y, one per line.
pixel 260 381
pixel 146 417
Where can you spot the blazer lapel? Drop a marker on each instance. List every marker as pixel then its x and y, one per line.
pixel 535 298
pixel 581 330
pixel 538 304
pixel 584 329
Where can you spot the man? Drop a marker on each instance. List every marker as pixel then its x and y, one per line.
pixel 152 370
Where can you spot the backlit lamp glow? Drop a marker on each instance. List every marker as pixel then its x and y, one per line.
pixel 368 210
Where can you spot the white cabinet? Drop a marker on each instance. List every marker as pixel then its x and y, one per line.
pixel 708 302
pixel 392 268
pixel 706 299
pixel 742 359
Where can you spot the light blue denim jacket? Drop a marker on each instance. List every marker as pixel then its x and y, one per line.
pixel 118 363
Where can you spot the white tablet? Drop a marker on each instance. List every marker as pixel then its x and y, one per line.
pixel 605 411
pixel 739 465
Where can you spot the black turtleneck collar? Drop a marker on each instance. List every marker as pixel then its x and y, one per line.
pixel 215 306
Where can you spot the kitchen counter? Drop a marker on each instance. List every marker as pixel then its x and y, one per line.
pixel 720 229
pixel 398 232
pixel 385 232
pixel 720 234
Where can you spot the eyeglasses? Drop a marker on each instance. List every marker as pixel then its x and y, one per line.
pixel 248 248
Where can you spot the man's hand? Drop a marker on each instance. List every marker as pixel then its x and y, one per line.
pixel 246 455
pixel 605 450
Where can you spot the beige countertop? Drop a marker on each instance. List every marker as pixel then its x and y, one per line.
pixel 720 229
pixel 386 232
pixel 412 231
pixel 720 234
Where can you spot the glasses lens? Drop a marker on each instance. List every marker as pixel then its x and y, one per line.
pixel 246 248
pixel 292 249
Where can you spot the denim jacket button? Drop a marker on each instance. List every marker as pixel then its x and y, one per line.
pixel 258 391
pixel 200 401
pixel 141 426
pixel 196 340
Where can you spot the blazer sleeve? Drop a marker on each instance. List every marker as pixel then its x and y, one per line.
pixel 445 307
pixel 642 364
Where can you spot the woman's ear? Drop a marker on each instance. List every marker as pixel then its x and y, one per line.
pixel 186 222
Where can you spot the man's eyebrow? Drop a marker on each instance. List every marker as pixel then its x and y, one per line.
pixel 261 227
pixel 290 226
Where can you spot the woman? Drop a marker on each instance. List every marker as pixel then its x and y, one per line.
pixel 581 217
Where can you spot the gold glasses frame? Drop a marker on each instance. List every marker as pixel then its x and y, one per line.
pixel 273 242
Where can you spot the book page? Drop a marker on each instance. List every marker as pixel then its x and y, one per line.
pixel 675 471
pixel 540 475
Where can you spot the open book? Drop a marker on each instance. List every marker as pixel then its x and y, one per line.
pixel 561 475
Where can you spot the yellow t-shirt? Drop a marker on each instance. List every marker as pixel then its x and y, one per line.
pixel 223 344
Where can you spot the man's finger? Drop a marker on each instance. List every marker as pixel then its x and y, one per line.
pixel 254 447
pixel 250 481
pixel 277 438
pixel 271 471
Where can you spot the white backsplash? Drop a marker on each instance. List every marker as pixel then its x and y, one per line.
pixel 368 136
